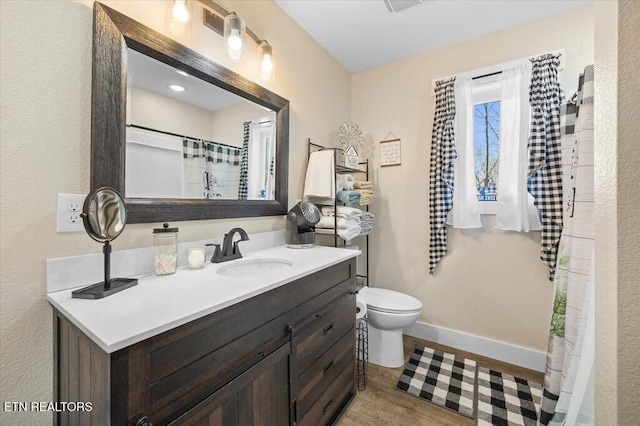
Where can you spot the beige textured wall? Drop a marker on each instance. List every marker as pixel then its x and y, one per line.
pixel 606 211
pixel 491 283
pixel 228 124
pixel 617 219
pixel 628 213
pixel 45 134
pixel 150 109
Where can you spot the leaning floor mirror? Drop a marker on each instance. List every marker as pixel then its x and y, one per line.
pixel 180 136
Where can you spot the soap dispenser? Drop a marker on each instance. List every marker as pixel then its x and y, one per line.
pixel 165 250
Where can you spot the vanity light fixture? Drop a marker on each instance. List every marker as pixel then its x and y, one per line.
pixel 267 65
pixel 233 29
pixel 180 12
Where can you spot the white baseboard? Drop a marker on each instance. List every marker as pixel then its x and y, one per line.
pixel 512 354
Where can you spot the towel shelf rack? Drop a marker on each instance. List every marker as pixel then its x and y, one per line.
pixel 363 169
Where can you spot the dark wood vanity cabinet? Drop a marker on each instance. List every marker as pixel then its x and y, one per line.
pixel 283 357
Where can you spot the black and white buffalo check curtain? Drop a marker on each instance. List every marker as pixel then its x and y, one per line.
pixel 244 165
pixel 441 170
pixel 212 151
pixel 545 155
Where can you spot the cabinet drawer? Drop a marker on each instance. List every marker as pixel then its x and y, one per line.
pixel 322 373
pixel 332 401
pixel 258 397
pixel 323 330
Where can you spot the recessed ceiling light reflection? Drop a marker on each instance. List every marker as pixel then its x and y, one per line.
pixel 182 73
pixel 176 88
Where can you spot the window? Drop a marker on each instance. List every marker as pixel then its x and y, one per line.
pixel 486 147
pixel 486 94
pixel 491 134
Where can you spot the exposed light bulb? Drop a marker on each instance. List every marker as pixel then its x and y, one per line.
pixel 234 45
pixel 234 34
pixel 180 12
pixel 267 64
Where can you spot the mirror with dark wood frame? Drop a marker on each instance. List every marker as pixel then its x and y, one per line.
pixel 114 34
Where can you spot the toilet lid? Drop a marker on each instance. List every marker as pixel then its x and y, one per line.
pixel 384 300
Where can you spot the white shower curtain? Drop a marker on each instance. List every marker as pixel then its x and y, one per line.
pixel 570 353
pixel 515 210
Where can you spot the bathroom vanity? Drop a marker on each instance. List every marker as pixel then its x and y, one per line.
pixel 207 348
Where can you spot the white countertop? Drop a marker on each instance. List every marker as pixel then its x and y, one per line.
pixel 160 303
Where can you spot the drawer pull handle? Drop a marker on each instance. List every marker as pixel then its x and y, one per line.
pixel 326 407
pixel 328 367
pixel 144 421
pixel 328 329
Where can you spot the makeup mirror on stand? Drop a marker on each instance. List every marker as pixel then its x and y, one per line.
pixel 104 217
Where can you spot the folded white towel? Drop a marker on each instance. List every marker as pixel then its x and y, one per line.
pixel 346 234
pixel 350 179
pixel 345 182
pixel 330 222
pixel 343 211
pixel 349 233
pixel 319 184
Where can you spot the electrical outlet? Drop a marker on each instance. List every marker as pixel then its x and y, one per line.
pixel 75 206
pixel 68 215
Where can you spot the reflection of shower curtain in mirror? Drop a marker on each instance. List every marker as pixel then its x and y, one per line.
pixel 211 170
pixel 260 160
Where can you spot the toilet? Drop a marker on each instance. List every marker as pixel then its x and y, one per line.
pixel 388 312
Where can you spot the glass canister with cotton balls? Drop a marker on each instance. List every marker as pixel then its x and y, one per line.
pixel 165 250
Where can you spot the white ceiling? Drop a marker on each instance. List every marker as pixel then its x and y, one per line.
pixel 363 34
pixel 155 76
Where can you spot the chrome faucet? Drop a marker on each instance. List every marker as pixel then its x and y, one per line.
pixel 230 249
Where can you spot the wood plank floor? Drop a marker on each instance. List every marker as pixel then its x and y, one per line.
pixel 381 404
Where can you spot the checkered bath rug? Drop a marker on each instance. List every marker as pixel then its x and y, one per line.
pixel 441 378
pixel 505 400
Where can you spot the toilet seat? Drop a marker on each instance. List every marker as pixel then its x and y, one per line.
pixel 389 301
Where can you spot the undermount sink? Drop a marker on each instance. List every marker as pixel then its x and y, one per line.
pixel 251 267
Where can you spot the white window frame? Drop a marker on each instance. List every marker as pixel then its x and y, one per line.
pixel 487 89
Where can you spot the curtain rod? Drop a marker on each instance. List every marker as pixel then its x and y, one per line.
pixel 260 122
pixel 486 71
pixel 181 136
pixel 486 75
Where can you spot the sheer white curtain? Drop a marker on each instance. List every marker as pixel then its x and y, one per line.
pixel 515 209
pixel 466 208
pixel 261 175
